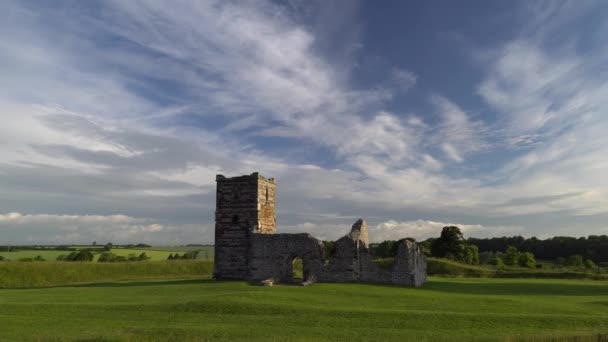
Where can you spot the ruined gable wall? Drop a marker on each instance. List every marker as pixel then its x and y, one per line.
pixel 271 256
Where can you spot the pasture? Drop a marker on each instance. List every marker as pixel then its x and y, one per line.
pixel 154 253
pixel 445 309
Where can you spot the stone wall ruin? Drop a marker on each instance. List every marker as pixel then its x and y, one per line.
pixel 247 247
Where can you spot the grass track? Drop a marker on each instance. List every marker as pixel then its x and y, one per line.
pixel 192 310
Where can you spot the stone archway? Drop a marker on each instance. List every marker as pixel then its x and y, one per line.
pixel 297 270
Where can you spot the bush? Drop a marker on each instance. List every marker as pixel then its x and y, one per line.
pixel 590 264
pixel 560 261
pixel 111 257
pixel 187 256
pixel 39 258
pixel 511 257
pixel 471 255
pixel 526 260
pixel 329 247
pixel 81 255
pixel 1 258
pixel 575 260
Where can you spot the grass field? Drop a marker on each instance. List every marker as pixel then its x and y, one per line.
pixel 155 253
pixel 445 309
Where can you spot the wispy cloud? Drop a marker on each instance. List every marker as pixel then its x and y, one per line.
pixel 133 107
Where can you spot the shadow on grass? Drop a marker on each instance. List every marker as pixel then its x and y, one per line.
pixel 519 288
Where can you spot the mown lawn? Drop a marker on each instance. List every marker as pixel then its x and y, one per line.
pixel 445 309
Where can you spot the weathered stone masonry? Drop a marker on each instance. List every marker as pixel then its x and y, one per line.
pixel 247 248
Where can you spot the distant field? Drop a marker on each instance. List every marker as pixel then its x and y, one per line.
pixel 445 309
pixel 155 253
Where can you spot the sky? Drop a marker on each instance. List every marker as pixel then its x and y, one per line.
pixel 117 115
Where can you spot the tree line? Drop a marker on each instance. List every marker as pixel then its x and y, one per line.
pixel 593 247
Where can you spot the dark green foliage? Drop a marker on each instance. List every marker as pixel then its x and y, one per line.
pixel 106 257
pixel 511 256
pixel 1 258
pixel 451 245
pixel 386 249
pixel 108 246
pixel 594 247
pixel 187 256
pixel 590 264
pixel 490 258
pixel 111 257
pixel 526 259
pixel 471 255
pixel 560 261
pixel 329 248
pixel 426 247
pixel 81 255
pixel 575 261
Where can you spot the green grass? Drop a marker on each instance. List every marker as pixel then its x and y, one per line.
pixel 155 253
pixel 443 267
pixel 445 309
pixel 54 273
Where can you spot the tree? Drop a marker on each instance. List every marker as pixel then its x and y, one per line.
pixel 589 264
pixel 471 255
pixel 94 243
pixel 108 246
pixel 511 256
pixel 81 255
pixel 526 260
pixel 451 245
pixel 575 260
pixel 106 257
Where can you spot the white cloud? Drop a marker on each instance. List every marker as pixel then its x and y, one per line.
pixel 100 135
pixel 80 229
pixel 452 153
pixel 404 79
pixel 421 230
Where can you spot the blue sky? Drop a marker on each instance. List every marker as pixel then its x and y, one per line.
pixel 117 115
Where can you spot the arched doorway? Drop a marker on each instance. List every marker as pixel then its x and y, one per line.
pixel 297 270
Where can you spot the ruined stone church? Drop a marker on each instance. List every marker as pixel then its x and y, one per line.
pixel 247 246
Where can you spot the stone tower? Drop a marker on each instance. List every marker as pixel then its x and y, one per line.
pixel 245 205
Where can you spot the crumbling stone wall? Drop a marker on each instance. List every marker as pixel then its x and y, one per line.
pixel 247 248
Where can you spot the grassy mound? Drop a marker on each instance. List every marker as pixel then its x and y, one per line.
pixel 444 267
pixel 53 273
